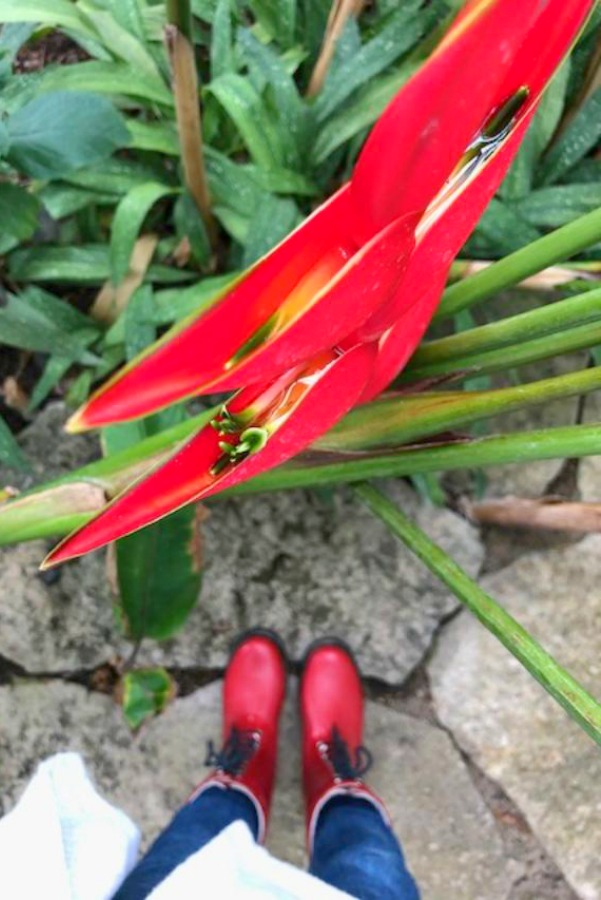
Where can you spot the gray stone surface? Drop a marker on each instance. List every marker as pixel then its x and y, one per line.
pixel 50 450
pixel 449 836
pixel 307 565
pixel 310 567
pixel 58 626
pixel 507 724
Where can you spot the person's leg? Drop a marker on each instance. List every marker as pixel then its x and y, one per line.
pixel 351 843
pixel 241 784
pixel 355 850
pixel 196 823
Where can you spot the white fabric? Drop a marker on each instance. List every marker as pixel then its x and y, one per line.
pixel 64 842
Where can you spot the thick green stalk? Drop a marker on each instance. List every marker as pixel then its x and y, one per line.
pixel 574 699
pixel 394 420
pixel 549 443
pixel 573 312
pixel 42 512
pixel 548 250
pixel 504 358
pixel 179 13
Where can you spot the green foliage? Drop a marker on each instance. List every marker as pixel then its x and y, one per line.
pixel 90 162
pixel 59 132
pixel 145 693
pixel 159 569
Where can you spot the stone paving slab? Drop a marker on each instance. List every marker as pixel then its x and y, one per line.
pixel 449 836
pixel 507 724
pixel 303 563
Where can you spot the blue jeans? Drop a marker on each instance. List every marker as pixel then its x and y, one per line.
pixel 354 849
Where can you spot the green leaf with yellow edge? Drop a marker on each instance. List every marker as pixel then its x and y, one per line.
pixel 144 694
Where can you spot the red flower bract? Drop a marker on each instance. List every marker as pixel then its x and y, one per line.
pixel 332 314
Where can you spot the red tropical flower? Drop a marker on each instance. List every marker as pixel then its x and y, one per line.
pixel 331 315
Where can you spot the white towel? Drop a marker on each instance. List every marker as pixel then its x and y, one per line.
pixel 64 842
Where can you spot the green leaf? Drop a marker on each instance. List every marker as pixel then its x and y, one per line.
pixel 222 51
pixel 88 264
pixel 555 206
pixel 104 77
pixel 114 176
pixel 39 321
pixel 56 367
pixel 293 115
pixel 245 107
pixel 159 567
pixel 173 304
pixel 361 112
pixel 119 41
pixel 524 170
pixel 556 247
pixel 189 223
pixel 145 693
pixel 58 13
pixel 11 454
pixel 401 32
pixel 19 211
pixel 505 228
pixel 158 137
pixel 277 17
pixel 273 220
pixel 56 133
pixel 139 330
pixel 61 200
pixel 12 38
pixel 574 699
pixel 127 222
pixel 582 134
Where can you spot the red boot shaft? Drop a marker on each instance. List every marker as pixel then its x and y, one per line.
pixel 254 689
pixel 333 758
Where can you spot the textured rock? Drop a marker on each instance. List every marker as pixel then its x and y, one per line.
pixel 510 727
pixel 57 624
pixel 448 834
pixel 50 450
pixel 305 564
pixel 308 567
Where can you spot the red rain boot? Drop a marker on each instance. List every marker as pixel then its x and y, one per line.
pixel 253 695
pixel 331 704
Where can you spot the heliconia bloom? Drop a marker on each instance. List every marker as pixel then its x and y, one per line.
pixel 330 316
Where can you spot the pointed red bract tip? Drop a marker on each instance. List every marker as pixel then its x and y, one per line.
pixel 313 402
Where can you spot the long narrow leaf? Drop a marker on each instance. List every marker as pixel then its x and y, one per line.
pixel 548 250
pixel 571 695
pixel 49 510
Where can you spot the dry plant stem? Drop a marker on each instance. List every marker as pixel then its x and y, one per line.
pixel 340 12
pixel 111 300
pixel 545 512
pixel 187 112
pixel 546 280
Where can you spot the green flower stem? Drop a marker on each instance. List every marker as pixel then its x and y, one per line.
pixel 548 250
pixel 394 420
pixel 504 358
pixel 179 13
pixel 42 512
pixel 507 334
pixel 574 699
pixel 549 443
